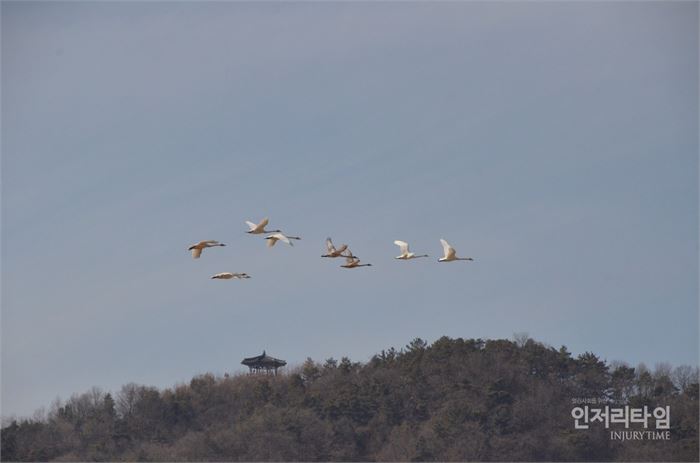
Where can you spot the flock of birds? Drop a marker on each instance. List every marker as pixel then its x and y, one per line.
pixel 351 261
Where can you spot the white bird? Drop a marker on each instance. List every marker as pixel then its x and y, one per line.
pixel 272 239
pixel 199 247
pixel 353 262
pixel 259 229
pixel 450 253
pixel 229 275
pixel 339 252
pixel 405 253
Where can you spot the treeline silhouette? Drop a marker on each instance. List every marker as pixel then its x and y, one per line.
pixel 457 399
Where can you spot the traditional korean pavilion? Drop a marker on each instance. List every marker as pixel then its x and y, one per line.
pixel 263 364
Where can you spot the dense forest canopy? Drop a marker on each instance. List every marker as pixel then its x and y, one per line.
pixel 457 399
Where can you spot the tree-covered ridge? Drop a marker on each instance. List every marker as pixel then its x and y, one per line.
pixel 457 399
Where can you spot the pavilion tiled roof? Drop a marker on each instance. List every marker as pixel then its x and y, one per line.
pixel 263 360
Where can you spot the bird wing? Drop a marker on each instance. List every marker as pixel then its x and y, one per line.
pixel 449 250
pixel 342 248
pixel 329 246
pixel 402 245
pixel 263 223
pixel 196 252
pixel 251 225
pixel 283 238
pixel 271 240
pixel 349 258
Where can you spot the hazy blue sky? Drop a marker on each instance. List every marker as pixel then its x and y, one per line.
pixel 555 142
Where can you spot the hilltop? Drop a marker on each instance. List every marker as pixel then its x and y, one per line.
pixel 457 399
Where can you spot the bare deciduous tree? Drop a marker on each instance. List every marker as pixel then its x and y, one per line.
pixel 126 399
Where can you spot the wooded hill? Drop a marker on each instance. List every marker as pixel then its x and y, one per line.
pixel 457 399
